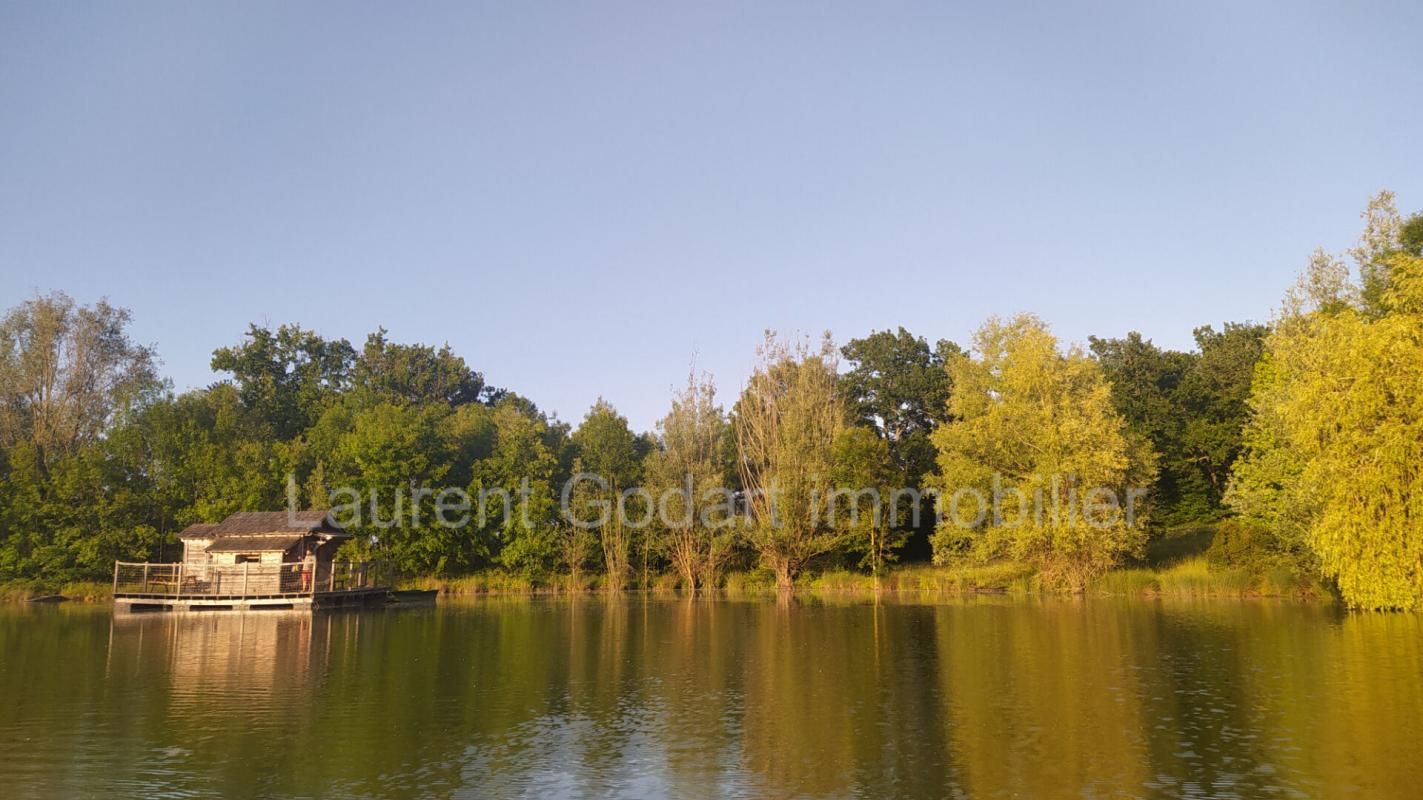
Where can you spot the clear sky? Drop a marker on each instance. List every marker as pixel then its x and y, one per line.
pixel 580 197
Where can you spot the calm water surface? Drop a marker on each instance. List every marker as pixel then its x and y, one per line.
pixel 595 698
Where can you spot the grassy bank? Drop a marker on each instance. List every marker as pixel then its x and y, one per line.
pixel 80 591
pixel 496 582
pixel 994 578
pixel 1193 577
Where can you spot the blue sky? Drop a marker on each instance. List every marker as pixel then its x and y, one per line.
pixel 579 198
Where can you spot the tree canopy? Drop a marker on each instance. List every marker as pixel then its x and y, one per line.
pixel 1033 435
pixel 1333 449
pixel 1298 440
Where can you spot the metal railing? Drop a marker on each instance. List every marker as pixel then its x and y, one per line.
pixel 246 580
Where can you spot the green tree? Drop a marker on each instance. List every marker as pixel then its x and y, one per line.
pixel 68 372
pixel 286 378
pixel 1334 445
pixel 1380 240
pixel 1145 382
pixel 390 466
pixel 1213 401
pixel 513 491
pixel 899 387
pixel 684 476
pixel 1192 407
pixel 786 422
pixel 612 454
pixel 1038 424
pixel 866 498
pixel 415 374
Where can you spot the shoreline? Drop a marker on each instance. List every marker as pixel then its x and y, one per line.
pixel 1188 579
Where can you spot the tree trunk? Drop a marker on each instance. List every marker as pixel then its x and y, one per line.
pixel 785 576
pixel 710 574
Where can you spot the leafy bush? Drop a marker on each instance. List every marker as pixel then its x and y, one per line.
pixel 1239 544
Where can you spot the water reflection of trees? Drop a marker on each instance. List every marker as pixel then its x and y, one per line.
pixel 712 698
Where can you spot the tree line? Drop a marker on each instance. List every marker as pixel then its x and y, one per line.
pixel 1297 438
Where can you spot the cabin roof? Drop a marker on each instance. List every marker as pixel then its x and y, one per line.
pixel 254 544
pixel 268 523
pixel 259 523
pixel 252 523
pixel 200 530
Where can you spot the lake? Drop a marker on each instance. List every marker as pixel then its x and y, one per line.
pixel 633 697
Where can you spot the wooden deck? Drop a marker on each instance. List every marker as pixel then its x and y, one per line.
pixel 218 587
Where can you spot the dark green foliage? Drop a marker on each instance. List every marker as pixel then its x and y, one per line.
pixel 1410 238
pixel 142 465
pixel 286 378
pixel 1241 544
pixel 1213 402
pixel 899 388
pixel 1175 545
pixel 1192 407
pixel 606 447
pixel 524 452
pixel 417 374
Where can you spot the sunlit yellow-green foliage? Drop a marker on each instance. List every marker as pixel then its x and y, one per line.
pixel 685 472
pixel 1336 443
pixel 1036 428
pixel 786 423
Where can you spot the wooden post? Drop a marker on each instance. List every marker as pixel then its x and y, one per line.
pixel 246 565
pixel 332 582
pixel 145 577
pixel 116 577
pixel 178 590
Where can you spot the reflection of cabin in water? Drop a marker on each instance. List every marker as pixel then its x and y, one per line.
pixel 276 559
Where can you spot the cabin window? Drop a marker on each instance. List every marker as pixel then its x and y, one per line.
pixel 248 558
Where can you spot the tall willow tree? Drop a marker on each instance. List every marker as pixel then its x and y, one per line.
pixel 786 423
pixel 1037 428
pixel 1335 450
pixel 685 475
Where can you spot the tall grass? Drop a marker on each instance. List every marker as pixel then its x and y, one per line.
pixel 88 591
pixel 1194 578
pixel 81 591
pixel 1128 581
pixel 17 592
pixel 478 583
pixel 1003 577
pixel 756 583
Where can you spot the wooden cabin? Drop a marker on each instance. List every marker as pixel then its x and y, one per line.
pixel 263 558
pixel 263 537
